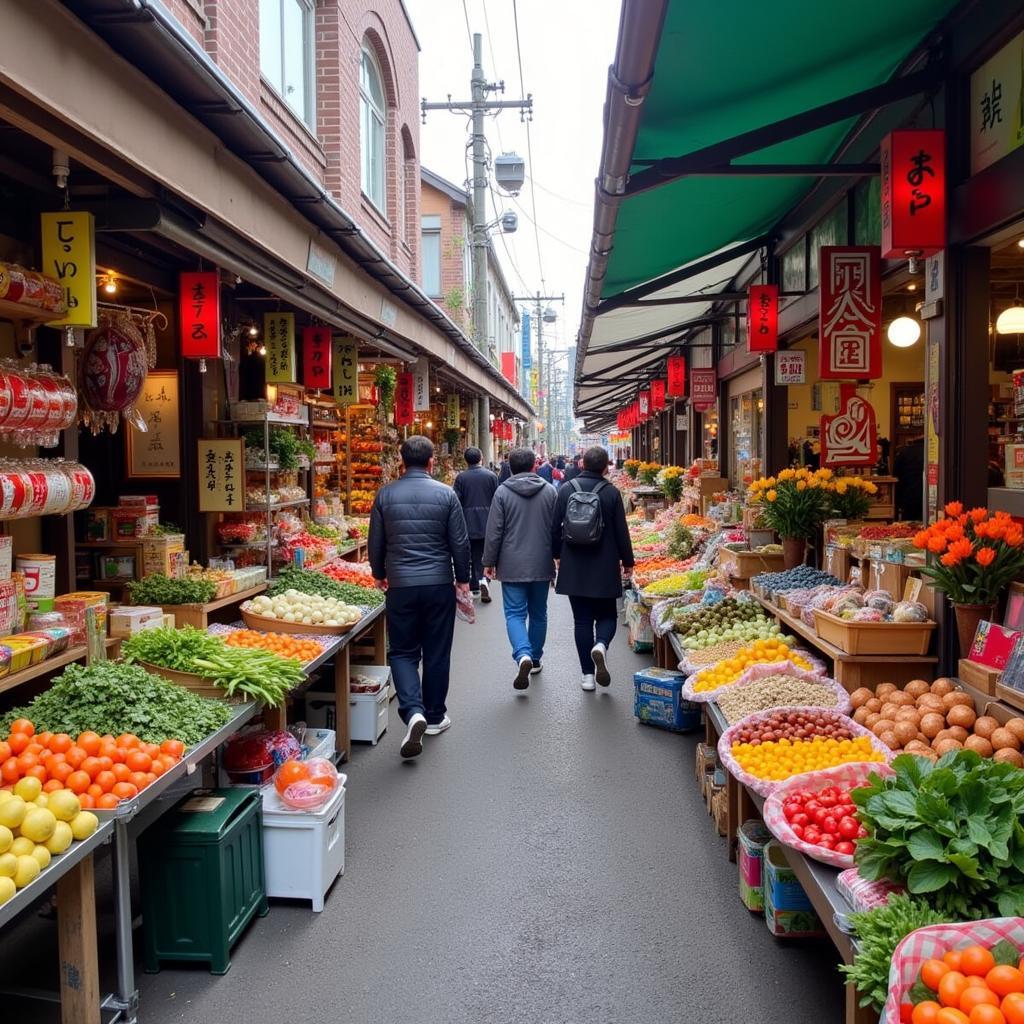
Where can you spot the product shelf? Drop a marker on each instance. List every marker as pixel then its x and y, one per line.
pixel 26 675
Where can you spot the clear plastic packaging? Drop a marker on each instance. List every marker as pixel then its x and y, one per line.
pixel 36 404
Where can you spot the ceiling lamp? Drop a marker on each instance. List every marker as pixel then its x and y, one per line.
pixel 904 331
pixel 1011 321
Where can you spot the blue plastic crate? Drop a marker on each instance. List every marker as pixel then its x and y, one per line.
pixel 657 700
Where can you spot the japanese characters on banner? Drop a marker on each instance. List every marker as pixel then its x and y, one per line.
pixel 404 411
pixel 850 437
pixel 763 318
pixel 421 385
pixel 995 106
pixel 221 475
pixel 644 403
pixel 69 254
pixel 316 357
pixel 452 420
pixel 913 193
pixel 657 395
pixel 279 340
pixel 677 376
pixel 156 453
pixel 850 343
pixel 345 371
pixel 790 367
pixel 703 389
pixel 199 314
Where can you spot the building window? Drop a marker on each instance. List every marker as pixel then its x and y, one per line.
pixel 286 53
pixel 372 123
pixel 430 244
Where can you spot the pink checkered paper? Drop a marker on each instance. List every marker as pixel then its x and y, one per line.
pixel 770 668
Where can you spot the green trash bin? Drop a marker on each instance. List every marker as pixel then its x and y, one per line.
pixel 201 872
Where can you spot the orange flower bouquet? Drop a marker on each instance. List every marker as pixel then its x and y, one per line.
pixel 972 556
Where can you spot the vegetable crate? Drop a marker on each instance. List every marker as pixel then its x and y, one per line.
pixel 202 877
pixel 787 908
pixel 912 638
pixel 658 700
pixel 752 837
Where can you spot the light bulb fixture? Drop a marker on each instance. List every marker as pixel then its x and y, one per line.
pixel 253 332
pixel 1011 321
pixel 904 331
pixel 109 284
pixel 911 287
pixel 437 391
pixel 430 424
pixel 262 350
pixel 1020 243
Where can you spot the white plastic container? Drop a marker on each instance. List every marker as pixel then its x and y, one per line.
pixel 320 743
pixel 368 715
pixel 303 851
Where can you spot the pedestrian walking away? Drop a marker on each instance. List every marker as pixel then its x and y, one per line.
pixel 517 551
pixel 475 488
pixel 574 470
pixel 546 470
pixel 419 548
pixel 505 472
pixel 590 541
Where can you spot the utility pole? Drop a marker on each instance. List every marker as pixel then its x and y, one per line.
pixel 543 316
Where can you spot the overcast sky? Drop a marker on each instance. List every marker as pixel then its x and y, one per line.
pixel 566 47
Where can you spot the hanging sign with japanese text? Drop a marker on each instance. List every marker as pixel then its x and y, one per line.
pixel 157 452
pixel 345 371
pixel 221 475
pixel 677 376
pixel 199 314
pixel 644 398
pixel 913 193
pixel 657 395
pixel 69 254
pixel 316 357
pixel 527 357
pixel 703 389
pixel 421 385
pixel 997 128
pixel 790 367
pixel 452 420
pixel 762 318
pixel 850 437
pixel 850 343
pixel 404 412
pixel 279 339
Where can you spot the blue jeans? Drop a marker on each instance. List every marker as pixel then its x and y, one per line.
pixel 524 601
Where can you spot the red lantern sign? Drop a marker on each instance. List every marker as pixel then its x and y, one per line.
pixel 316 357
pixel 850 340
pixel 703 389
pixel 763 318
pixel 850 438
pixel 199 313
pixel 644 399
pixel 657 395
pixel 677 376
pixel 913 193
pixel 404 412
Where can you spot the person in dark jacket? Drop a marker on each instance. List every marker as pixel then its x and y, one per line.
pixel 418 543
pixel 574 470
pixel 908 467
pixel 475 488
pixel 546 470
pixel 590 575
pixel 505 471
pixel 517 551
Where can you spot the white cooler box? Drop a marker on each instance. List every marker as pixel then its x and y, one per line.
pixel 303 851
pixel 368 712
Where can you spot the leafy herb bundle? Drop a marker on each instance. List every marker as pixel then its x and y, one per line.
pixel 160 589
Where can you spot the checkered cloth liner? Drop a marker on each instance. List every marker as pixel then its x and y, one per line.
pixel 933 942
pixel 862 894
pixel 764 786
pixel 787 668
pixel 845 775
pixel 771 668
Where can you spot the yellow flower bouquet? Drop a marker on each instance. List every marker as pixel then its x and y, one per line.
pixel 795 503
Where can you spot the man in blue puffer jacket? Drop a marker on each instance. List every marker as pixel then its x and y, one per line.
pixel 419 548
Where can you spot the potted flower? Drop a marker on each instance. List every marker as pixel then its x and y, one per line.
pixel 796 503
pixel 850 496
pixel 670 480
pixel 648 472
pixel 972 556
pixel 632 467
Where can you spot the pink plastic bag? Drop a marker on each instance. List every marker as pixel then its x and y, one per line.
pixel 464 606
pixel 862 894
pixel 765 786
pixel 786 668
pixel 846 775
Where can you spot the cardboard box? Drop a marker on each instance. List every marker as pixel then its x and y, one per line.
pixel 1014 466
pixel 788 911
pixel 129 619
pixel 752 837
pixel 993 644
pixel 128 524
pixel 837 562
pixel 164 555
pixel 73 606
pixel 888 576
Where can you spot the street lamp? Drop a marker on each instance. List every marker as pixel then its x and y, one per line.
pixel 550 316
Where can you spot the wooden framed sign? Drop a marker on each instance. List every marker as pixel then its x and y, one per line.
pixel 156 453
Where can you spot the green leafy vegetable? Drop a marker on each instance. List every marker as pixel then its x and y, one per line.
pixel 309 581
pixel 160 589
pixel 285 444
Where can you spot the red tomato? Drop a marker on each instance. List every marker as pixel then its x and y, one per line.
pixel 800 819
pixel 848 827
pixel 811 833
pixel 845 847
pixel 798 831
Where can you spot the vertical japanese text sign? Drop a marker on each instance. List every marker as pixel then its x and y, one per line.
pixel 703 389
pixel 199 314
pixel 644 400
pixel 316 357
pixel 345 371
pixel 452 423
pixel 69 254
pixel 677 376
pixel 404 412
pixel 850 343
pixel 279 339
pixel 657 395
pixel 762 318
pixel 421 385
pixel 913 193
pixel 221 475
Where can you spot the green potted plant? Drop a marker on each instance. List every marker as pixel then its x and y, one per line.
pixel 796 503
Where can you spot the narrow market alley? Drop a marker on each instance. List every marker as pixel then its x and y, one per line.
pixel 546 861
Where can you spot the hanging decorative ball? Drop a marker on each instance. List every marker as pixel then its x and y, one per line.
pixel 111 372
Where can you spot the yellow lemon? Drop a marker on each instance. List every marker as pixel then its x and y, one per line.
pixel 42 855
pixel 7 889
pixel 64 804
pixel 28 788
pixel 6 838
pixel 28 870
pixel 61 838
pixel 84 824
pixel 38 825
pixel 8 865
pixel 22 847
pixel 12 812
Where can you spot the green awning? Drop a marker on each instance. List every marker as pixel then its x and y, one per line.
pixel 723 69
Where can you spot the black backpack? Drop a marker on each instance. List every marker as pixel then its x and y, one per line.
pixel 584 520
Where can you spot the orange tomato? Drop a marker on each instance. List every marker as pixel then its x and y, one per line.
pixel 951 1015
pixel 1013 1008
pixel 977 996
pixel 9 771
pixel 138 761
pixel 1003 980
pixel 128 739
pixel 36 748
pixel 986 1014
pixel 173 747
pixel 43 738
pixel 121 772
pixel 106 781
pixel 151 748
pixel 78 782
pixel 26 761
pixel 976 981
pixel 5 751
pixel 38 772
pixel 52 760
pixel 18 741
pixel 925 1013
pixel 977 960
pixel 75 756
pixel 951 988
pixel 52 785
pixel 107 738
pixel 89 742
pixel 61 743
pixel 114 752
pixel 107 801
pixel 106 763
pixel 86 801
pixel 167 760
pixel 23 725
pixel 61 771
pixel 138 780
pixel 91 766
pixel 95 790
pixel 150 779
pixel 124 790
pixel 158 768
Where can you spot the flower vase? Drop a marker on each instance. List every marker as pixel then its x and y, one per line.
pixel 793 551
pixel 967 618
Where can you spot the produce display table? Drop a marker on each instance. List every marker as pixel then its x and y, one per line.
pixel 356 553
pixel 198 615
pixel 26 675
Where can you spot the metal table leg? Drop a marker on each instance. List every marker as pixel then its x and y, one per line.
pixel 126 998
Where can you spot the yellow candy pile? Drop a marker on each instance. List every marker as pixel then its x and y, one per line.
pixel 780 759
pixel 760 652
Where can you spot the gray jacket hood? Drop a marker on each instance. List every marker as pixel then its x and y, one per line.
pixel 526 484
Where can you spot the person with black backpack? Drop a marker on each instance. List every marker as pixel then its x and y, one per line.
pixel 590 543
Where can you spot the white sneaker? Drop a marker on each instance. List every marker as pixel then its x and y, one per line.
pixel 522 679
pixel 475 594
pixel 601 673
pixel 439 727
pixel 536 668
pixel 588 683
pixel 485 591
pixel 412 745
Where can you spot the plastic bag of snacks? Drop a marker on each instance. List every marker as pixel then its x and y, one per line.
pixel 303 785
pixel 862 894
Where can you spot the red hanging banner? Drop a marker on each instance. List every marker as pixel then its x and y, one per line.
pixel 850 438
pixel 703 389
pixel 199 313
pixel 677 376
pixel 404 411
pixel 763 318
pixel 657 395
pixel 913 193
pixel 850 311
pixel 316 357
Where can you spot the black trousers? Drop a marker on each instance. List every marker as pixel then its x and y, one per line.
pixel 476 550
pixel 594 621
pixel 421 624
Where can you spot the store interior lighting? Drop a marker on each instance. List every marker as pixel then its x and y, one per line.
pixel 109 284
pixel 253 330
pixel 1011 321
pixel 1020 242
pixel 262 350
pixel 904 332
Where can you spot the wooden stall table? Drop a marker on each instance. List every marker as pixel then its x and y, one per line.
pixel 221 609
pixel 356 553
pixel 51 665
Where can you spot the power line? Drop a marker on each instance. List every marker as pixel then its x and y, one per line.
pixel 550 234
pixel 494 67
pixel 561 198
pixel 469 32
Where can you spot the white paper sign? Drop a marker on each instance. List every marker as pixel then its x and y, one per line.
pixel 789 367
pixel 421 385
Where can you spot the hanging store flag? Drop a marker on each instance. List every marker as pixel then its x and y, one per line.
pixel 677 376
pixel 222 475
pixel 279 340
pixel 452 421
pixel 790 367
pixel 69 254
pixel 644 398
pixel 199 314
pixel 850 437
pixel 421 385
pixel 634 414
pixel 657 395
pixel 703 389
pixel 850 342
pixel 527 358
pixel 913 193
pixel 404 411
pixel 508 367
pixel 316 358
pixel 345 370
pixel 763 318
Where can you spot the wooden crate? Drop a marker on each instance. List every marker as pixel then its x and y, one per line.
pixel 1007 694
pixel 981 677
pixel 873 637
pixel 745 564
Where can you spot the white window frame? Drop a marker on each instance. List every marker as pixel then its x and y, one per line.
pixel 308 112
pixel 370 111
pixel 430 225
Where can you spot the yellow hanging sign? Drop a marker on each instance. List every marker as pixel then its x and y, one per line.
pixel 345 371
pixel 69 254
pixel 221 475
pixel 453 412
pixel 279 339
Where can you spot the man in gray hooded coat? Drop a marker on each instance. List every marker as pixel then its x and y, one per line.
pixel 517 551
